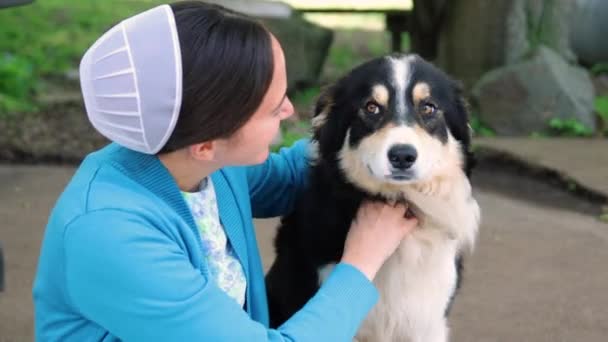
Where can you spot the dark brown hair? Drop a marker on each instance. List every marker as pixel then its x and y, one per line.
pixel 227 67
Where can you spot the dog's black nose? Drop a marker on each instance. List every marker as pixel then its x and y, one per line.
pixel 402 156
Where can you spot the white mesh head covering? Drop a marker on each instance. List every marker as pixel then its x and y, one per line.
pixel 131 80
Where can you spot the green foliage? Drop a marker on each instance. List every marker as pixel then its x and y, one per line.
pixel 53 34
pixel 569 127
pixel 406 42
pixel 353 47
pixel 304 98
pixel 342 58
pixel 48 38
pixel 15 75
pixel 16 84
pixel 377 47
pixel 480 128
pixel 600 68
pixel 380 47
pixel 290 137
pixel 601 107
pixel 292 132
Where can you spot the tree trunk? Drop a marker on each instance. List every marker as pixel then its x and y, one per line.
pixel 480 35
pixel 426 20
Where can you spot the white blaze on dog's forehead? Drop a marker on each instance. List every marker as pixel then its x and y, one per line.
pixel 401 77
pixel 380 94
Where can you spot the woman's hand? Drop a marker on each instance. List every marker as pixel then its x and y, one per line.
pixel 375 233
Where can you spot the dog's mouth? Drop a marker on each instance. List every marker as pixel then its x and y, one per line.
pixel 400 176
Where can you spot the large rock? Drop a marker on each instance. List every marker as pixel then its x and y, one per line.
pixel 521 98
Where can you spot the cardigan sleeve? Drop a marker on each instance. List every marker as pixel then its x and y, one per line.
pixel 275 184
pixel 137 283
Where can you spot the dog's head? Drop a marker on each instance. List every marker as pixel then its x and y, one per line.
pixel 393 121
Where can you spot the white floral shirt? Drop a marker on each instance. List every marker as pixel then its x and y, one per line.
pixel 225 267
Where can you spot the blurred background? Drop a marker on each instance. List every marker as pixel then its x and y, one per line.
pixel 531 68
pixel 535 73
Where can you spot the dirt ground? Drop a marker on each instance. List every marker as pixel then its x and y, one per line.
pixel 538 272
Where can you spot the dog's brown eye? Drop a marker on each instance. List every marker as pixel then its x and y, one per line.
pixel 428 109
pixel 372 108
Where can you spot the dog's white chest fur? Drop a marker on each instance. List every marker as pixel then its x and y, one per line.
pixel 415 286
pixel 418 280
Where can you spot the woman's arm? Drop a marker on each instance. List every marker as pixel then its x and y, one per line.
pixel 137 283
pixel 274 185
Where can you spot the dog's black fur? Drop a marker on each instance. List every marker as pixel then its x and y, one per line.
pixel 313 235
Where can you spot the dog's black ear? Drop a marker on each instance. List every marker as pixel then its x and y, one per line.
pixel 322 108
pixel 325 129
pixel 457 116
pixel 460 126
pixel 325 100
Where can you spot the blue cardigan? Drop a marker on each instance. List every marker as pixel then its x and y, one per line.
pixel 121 258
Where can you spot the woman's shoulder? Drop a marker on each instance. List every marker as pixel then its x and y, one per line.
pixel 104 181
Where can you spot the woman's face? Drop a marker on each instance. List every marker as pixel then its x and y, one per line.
pixel 250 144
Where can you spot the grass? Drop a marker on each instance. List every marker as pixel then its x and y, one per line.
pixel 569 128
pixel 53 34
pixel 45 40
pixel 16 81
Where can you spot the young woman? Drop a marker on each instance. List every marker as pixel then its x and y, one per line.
pixel 152 239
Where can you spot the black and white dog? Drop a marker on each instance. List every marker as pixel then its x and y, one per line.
pixel 394 129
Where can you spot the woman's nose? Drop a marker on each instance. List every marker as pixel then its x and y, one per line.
pixel 287 109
